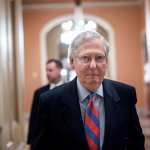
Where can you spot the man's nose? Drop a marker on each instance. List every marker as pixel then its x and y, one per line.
pixel 93 63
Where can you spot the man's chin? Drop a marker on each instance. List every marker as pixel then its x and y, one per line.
pixel 93 80
pixel 92 87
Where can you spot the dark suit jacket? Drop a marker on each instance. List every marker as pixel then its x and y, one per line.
pixel 61 126
pixel 34 113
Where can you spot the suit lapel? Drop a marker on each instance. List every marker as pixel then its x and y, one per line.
pixel 111 100
pixel 71 113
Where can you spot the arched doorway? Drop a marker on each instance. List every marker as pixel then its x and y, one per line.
pixel 51 47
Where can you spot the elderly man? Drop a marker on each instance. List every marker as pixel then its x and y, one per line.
pixel 90 112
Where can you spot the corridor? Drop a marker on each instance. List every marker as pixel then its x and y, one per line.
pixel 33 31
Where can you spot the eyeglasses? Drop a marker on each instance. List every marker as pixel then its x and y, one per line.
pixel 87 59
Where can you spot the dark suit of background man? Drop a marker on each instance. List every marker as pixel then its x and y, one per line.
pixel 53 72
pixel 63 111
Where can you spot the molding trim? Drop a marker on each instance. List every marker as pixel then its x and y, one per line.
pixel 103 23
pixel 47 6
pixel 112 4
pixel 85 5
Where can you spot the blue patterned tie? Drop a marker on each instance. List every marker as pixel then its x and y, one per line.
pixel 92 128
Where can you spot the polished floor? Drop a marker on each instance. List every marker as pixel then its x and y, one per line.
pixel 145 123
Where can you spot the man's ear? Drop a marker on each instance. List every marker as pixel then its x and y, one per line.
pixel 71 63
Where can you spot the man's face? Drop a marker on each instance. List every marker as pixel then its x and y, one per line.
pixel 90 64
pixel 52 72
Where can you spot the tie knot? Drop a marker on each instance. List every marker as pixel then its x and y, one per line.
pixel 92 96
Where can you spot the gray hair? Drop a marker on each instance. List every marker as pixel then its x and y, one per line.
pixel 84 37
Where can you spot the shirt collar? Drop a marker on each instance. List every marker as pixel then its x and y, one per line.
pixel 53 85
pixel 83 92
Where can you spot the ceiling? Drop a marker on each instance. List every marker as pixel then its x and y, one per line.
pixel 72 1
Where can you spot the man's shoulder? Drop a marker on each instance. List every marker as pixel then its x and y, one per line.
pixel 118 84
pixel 120 89
pixel 42 89
pixel 62 90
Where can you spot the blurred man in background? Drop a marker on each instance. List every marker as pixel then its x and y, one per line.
pixel 53 73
